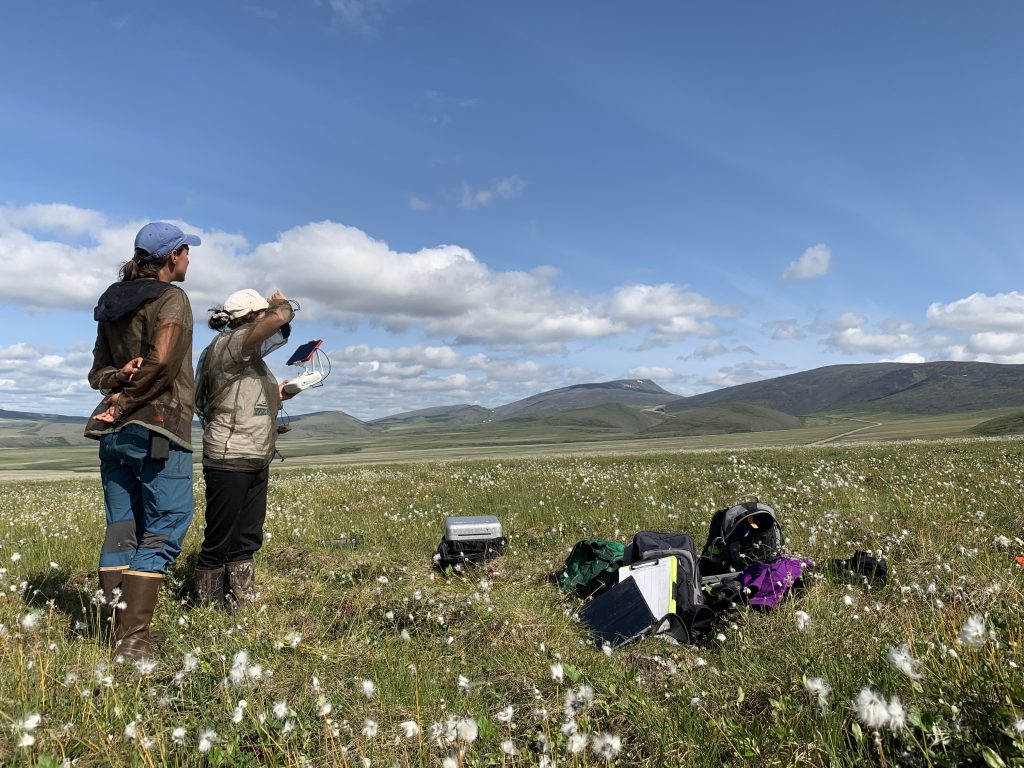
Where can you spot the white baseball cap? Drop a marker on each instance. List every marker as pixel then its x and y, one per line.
pixel 241 303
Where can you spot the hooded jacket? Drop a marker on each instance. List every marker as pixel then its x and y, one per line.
pixel 151 319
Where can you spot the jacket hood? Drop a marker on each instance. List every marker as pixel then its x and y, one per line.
pixel 125 297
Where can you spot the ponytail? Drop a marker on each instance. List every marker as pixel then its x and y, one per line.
pixel 219 319
pixel 134 269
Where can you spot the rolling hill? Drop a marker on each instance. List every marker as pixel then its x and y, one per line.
pixel 630 392
pixel 722 420
pixel 440 416
pixel 919 388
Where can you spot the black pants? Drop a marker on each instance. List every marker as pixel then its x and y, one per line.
pixel 236 507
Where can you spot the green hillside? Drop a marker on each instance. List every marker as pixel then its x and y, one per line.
pixel 723 420
pixel 1010 424
pixel 426 418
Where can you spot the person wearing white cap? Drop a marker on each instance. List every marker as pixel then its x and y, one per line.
pixel 237 400
pixel 142 363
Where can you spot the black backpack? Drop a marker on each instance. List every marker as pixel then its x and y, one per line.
pixel 692 620
pixel 740 535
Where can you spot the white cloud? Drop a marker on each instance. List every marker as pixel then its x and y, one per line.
pixel 419 205
pixel 506 189
pixel 909 357
pixel 714 349
pixel 849 320
pixel 656 374
pixel 857 340
pixel 980 312
pixel 342 274
pixel 361 15
pixel 783 330
pixel 815 262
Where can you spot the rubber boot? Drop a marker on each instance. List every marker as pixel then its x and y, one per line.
pixel 242 582
pixel 209 586
pixel 110 583
pixel 139 591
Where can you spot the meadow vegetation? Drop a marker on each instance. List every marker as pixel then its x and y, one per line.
pixel 359 653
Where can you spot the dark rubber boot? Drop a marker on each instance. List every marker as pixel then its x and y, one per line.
pixel 209 585
pixel 139 592
pixel 242 582
pixel 110 583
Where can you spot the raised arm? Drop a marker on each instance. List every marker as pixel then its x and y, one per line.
pixel 278 314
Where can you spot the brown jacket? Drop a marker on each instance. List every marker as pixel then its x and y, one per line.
pixel 150 319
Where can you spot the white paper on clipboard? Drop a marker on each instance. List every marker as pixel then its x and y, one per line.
pixel 657 582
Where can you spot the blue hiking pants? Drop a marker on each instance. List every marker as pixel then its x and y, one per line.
pixel 148 501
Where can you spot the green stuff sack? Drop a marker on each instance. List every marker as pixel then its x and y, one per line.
pixel 592 567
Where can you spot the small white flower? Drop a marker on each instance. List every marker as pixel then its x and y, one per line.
pixel 30 621
pixel 145 666
pixel 409 729
pixel 848 600
pixel 974 633
pixel 1018 725
pixel 803 620
pixel 369 688
pixel 557 672
pixel 872 709
pixel 15 557
pixel 904 662
pixel 505 715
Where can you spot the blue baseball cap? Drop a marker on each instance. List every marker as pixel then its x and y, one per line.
pixel 159 239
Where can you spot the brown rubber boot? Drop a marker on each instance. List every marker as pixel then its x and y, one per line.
pixel 209 586
pixel 242 582
pixel 139 591
pixel 110 583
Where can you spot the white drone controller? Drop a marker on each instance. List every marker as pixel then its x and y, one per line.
pixel 310 359
pixel 304 380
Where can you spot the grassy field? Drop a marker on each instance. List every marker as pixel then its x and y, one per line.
pixel 359 653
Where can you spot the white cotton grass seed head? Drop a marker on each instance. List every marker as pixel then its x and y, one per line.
pixel 30 621
pixel 897 714
pixel 974 633
pixel 902 660
pixel 803 621
pixel 606 746
pixel 370 728
pixel 557 672
pixel 178 736
pixel 369 688
pixel 505 715
pixel 280 709
pixel 577 742
pixel 207 739
pixel 819 689
pixel 508 747
pixel 466 730
pixel 871 708
pixel 409 729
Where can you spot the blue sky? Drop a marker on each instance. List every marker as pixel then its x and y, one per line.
pixel 474 202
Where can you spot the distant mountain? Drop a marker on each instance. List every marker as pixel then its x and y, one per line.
pixel 610 417
pixel 922 388
pixel 327 424
pixel 634 392
pixel 721 420
pixel 47 417
pixel 439 416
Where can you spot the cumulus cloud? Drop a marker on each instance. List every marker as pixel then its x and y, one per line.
pixel 783 330
pixel 419 205
pixel 909 357
pixel 857 340
pixel 714 349
pixel 342 274
pixel 980 312
pixel 815 262
pixel 506 189
pixel 849 320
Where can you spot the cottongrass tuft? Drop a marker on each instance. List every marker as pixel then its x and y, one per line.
pixel 803 621
pixel 466 730
pixel 901 659
pixel 819 689
pixel 207 739
pixel 508 747
pixel 505 715
pixel 974 633
pixel 557 673
pixel 178 736
pixel 606 746
pixel 369 688
pixel 871 708
pixel 370 728
pixel 409 729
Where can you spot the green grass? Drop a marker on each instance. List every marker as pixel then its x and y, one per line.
pixel 348 594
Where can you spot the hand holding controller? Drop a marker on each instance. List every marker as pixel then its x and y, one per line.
pixel 305 380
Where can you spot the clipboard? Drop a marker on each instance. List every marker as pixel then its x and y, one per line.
pixel 657 582
pixel 618 615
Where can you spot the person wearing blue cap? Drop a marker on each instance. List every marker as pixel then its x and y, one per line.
pixel 142 363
